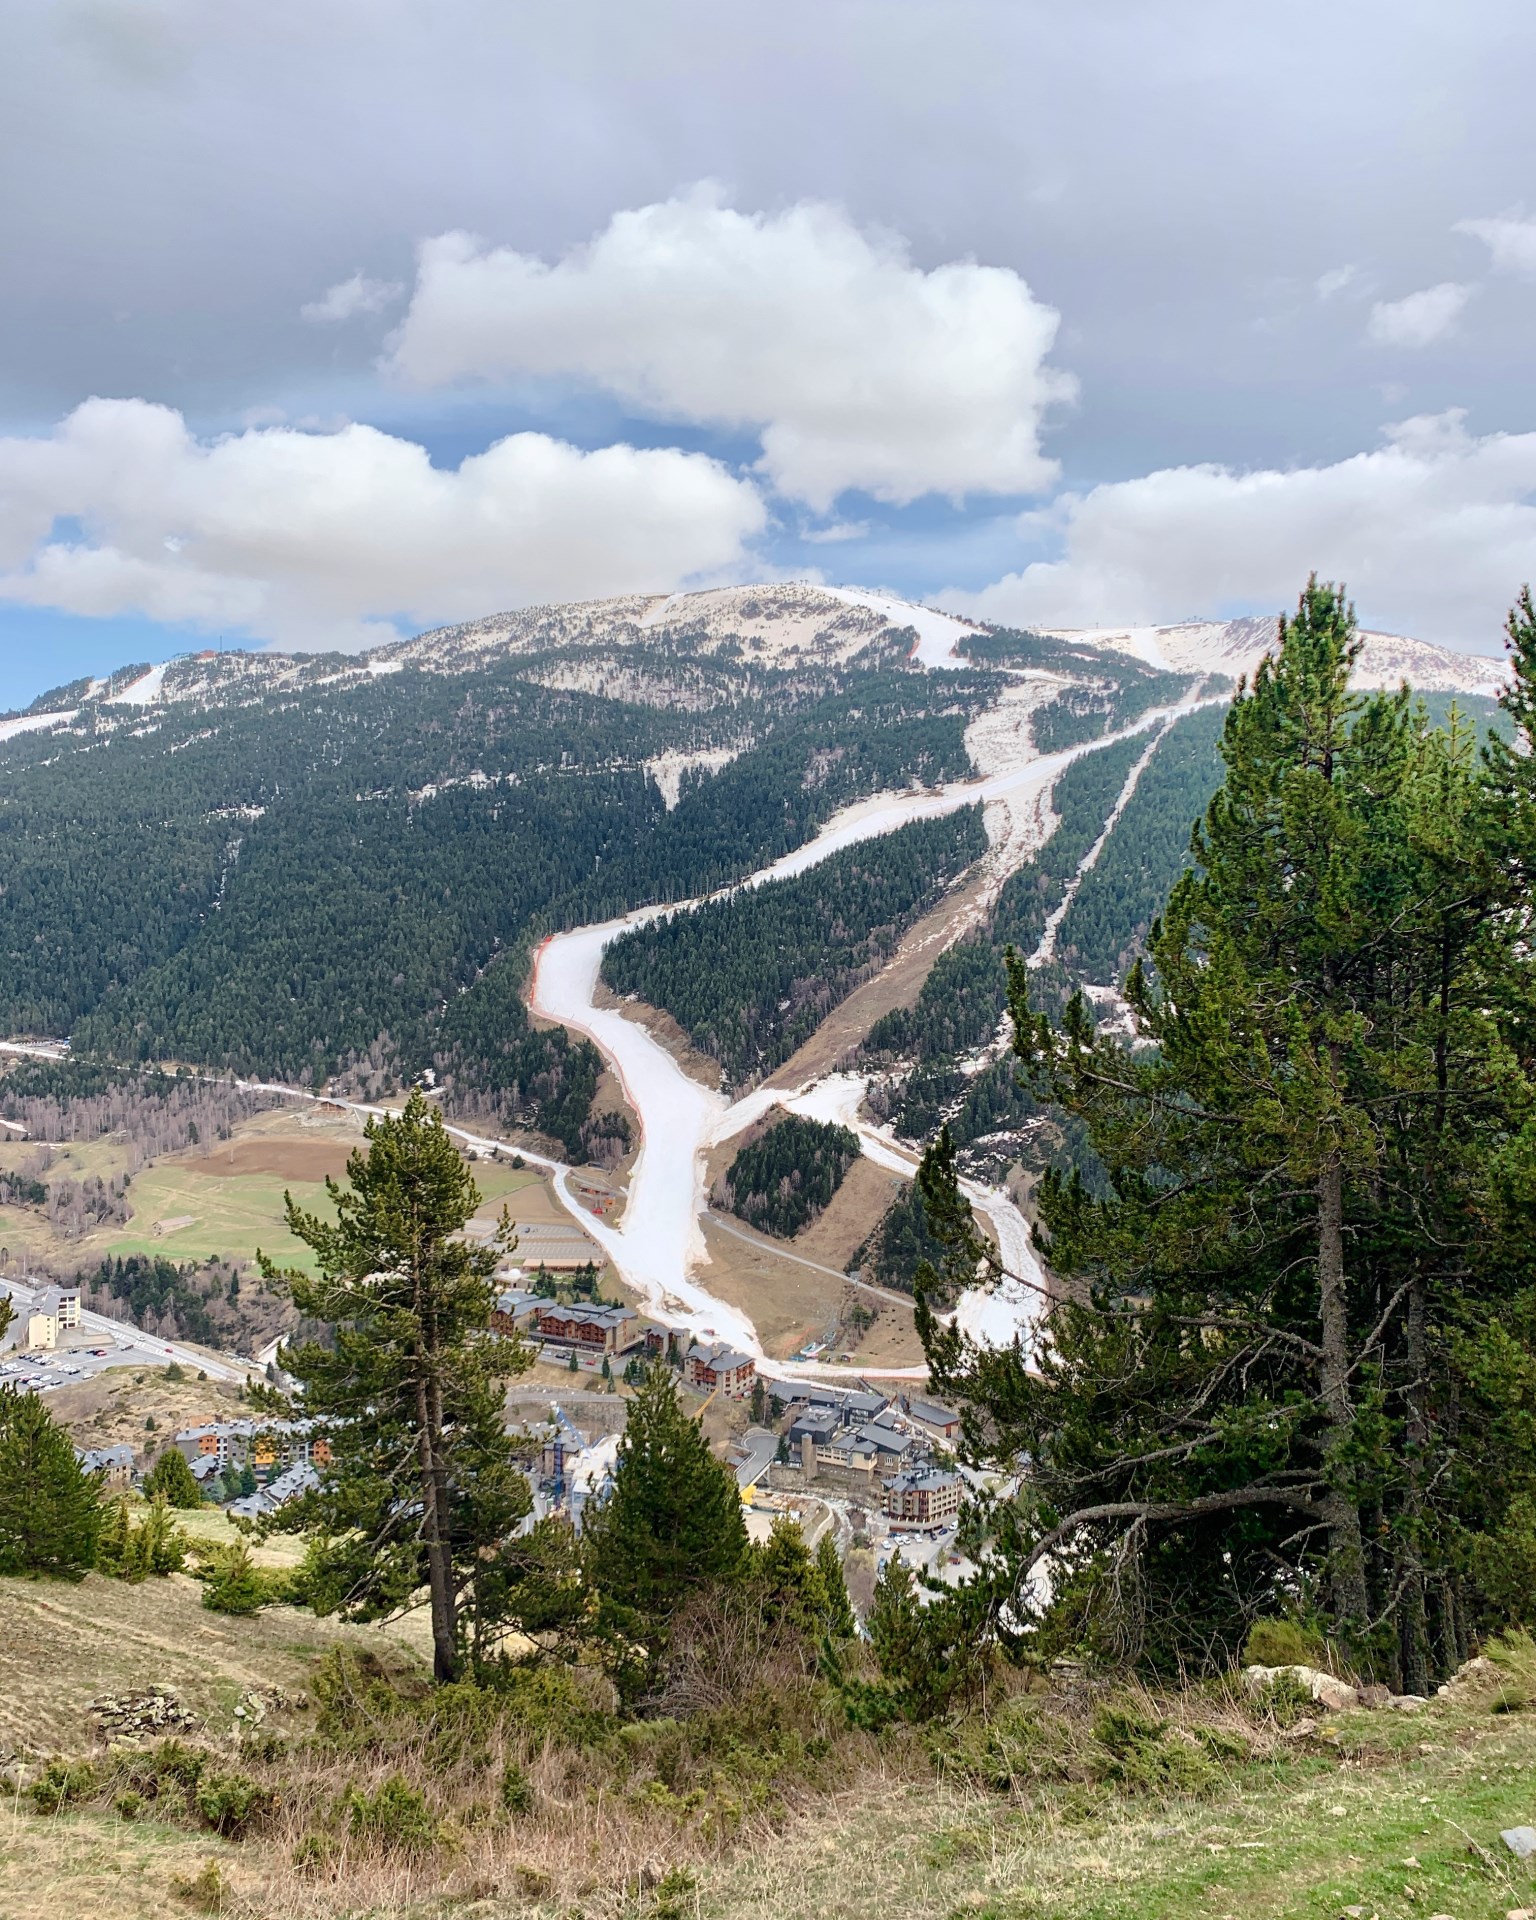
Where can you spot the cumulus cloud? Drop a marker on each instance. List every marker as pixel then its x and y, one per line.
pixel 1510 239
pixel 321 540
pixel 351 297
pixel 1418 319
pixel 858 368
pixel 1434 532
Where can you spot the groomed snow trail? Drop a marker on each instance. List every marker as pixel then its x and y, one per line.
pixel 658 1245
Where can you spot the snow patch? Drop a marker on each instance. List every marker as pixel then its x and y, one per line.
pixel 667 769
pixel 938 634
pixel 143 692
pixel 34 723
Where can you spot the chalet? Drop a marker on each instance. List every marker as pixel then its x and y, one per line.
pixel 587 1329
pixel 720 1368
pixel 924 1497
pixel 114 1464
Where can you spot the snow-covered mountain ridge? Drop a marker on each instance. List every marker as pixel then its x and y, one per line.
pixel 783 625
pixel 1235 647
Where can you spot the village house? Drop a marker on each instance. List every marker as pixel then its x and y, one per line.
pixel 114 1464
pixel 924 1497
pixel 722 1369
pixel 942 1422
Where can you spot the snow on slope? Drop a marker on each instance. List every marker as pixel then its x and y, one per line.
pixel 34 723
pixel 1235 647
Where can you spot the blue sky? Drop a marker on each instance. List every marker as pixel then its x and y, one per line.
pixel 1071 316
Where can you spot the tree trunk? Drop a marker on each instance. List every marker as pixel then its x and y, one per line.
pixel 1346 1549
pixel 445 1650
pixel 1413 1633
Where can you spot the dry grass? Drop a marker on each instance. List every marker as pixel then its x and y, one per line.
pixel 757 1799
pixel 63 1646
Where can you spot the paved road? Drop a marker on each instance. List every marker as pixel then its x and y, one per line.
pixel 121 1337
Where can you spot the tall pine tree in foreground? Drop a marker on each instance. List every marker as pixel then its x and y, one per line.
pixel 50 1508
pixel 1270 1386
pixel 420 1483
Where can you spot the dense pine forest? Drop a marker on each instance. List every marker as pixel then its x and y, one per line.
pixel 750 976
pixel 321 882
pixel 786 1173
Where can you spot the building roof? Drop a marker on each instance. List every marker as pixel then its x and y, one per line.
pixel 589 1316
pixel 923 1480
pixel 931 1413
pixel 541 1241
pixel 816 1420
pixel 720 1359
pixel 516 1300
pixel 92 1458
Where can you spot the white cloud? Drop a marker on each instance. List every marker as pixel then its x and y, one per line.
pixel 858 368
pixel 320 540
pixel 1510 239
pixel 1418 319
pixel 1434 532
pixel 350 297
pixel 1332 283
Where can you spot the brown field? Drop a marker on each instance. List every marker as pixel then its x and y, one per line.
pixel 289 1158
pixel 858 1206
pixel 792 1304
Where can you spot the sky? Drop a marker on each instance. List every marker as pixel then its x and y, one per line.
pixel 325 321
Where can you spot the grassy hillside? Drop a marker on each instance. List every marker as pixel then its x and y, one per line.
pixel 1079 1803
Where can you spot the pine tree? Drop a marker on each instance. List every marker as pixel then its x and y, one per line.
pixel 50 1508
pixel 170 1479
pixel 835 1612
pixel 420 1480
pixel 1242 1396
pixel 673 1522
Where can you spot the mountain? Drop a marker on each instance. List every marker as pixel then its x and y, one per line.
pixel 334 868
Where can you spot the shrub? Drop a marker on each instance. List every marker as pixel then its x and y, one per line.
pixel 233 1583
pixel 130 1804
pixel 155 1546
pixel 61 1783
pixel 230 1802
pixel 174 1761
pixel 516 1789
pixel 1285 1700
pixel 204 1890
pixel 1140 1754
pixel 1283 1643
pixel 395 1817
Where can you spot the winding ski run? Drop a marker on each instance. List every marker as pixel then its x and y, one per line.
pixel 657 1246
